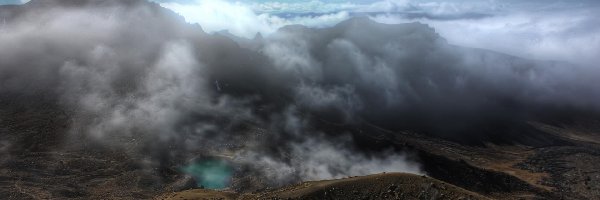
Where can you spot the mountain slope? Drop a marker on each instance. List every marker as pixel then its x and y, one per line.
pixel 381 186
pixel 106 99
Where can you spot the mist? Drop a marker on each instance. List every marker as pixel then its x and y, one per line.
pixel 135 76
pixel 541 30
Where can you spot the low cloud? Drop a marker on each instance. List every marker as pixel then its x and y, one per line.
pixel 318 159
pixel 545 30
pixel 562 34
pixel 136 76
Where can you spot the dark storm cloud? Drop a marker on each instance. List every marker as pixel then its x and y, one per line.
pixel 136 76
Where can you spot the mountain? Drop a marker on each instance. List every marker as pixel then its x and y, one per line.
pixel 380 186
pixel 108 99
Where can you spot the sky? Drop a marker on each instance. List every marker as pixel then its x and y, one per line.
pixel 4 2
pixel 545 30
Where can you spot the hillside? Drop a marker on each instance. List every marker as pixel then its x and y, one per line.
pixel 380 186
pixel 107 99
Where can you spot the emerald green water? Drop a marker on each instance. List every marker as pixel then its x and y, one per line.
pixel 211 173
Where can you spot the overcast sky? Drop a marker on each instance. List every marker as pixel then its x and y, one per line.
pixel 547 30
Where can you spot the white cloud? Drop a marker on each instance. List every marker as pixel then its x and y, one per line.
pixel 554 31
pixel 246 20
pixel 313 6
pixel 118 88
pixel 216 15
pixel 559 35
pixel 319 159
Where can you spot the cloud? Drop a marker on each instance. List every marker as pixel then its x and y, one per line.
pixel 241 20
pixel 554 30
pixel 275 14
pixel 313 6
pixel 220 15
pixel 544 35
pixel 135 76
pixel 318 159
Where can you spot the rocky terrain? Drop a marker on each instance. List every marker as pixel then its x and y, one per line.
pixel 380 186
pixel 39 171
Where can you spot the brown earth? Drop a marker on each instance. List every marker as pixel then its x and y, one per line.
pixel 36 163
pixel 380 186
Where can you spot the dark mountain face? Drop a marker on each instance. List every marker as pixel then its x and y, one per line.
pixel 132 75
